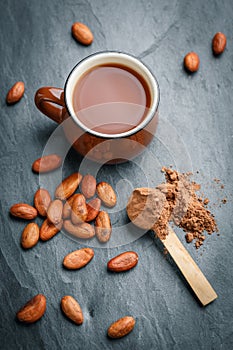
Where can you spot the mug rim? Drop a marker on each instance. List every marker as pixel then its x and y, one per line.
pixel 151 110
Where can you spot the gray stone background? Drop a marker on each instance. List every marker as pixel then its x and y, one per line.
pixel 37 48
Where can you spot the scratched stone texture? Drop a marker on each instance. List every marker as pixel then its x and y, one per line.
pixel 196 130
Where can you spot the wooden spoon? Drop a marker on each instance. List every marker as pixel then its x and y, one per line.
pixel 144 208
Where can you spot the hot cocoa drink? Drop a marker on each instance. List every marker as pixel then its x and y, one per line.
pixel 111 99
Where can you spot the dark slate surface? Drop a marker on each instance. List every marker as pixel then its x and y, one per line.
pixel 196 115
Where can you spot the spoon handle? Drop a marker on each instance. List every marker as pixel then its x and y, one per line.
pixel 196 279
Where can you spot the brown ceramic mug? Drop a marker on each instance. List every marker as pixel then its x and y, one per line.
pixel 57 104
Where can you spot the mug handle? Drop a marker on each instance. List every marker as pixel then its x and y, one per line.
pixel 50 101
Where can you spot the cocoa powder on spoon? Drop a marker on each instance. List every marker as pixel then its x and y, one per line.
pixel 173 201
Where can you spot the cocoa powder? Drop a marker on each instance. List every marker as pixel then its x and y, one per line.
pixel 184 208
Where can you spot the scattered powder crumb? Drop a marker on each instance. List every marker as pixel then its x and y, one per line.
pixel 217 181
pixel 206 201
pixel 198 244
pixel 196 186
pixel 165 251
pixel 224 200
pixel 189 237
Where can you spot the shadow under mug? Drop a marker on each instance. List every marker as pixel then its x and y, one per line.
pixel 57 104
